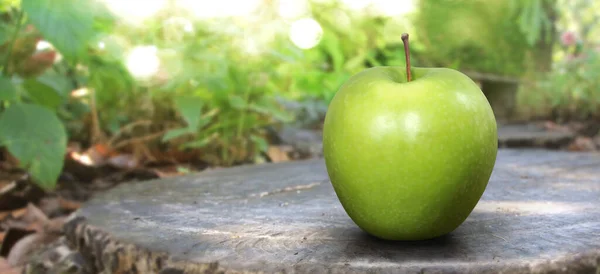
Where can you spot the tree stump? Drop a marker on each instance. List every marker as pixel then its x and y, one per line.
pixel 501 92
pixel 540 214
pixel 531 135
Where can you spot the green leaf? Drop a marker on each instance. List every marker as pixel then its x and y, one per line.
pixel 34 135
pixel 356 62
pixel 47 90
pixel 270 109
pixel 8 92
pixel 109 77
pixel 6 31
pixel 172 134
pixel 67 24
pixel 237 102
pixel 198 143
pixel 190 109
pixel 334 48
pixel 6 5
pixel 260 142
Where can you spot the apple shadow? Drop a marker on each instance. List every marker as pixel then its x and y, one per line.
pixel 467 241
pixel 365 247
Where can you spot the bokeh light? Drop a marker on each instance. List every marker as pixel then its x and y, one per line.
pixel 143 62
pixel 176 28
pixel 180 23
pixel 81 92
pixel 306 33
pixel 43 45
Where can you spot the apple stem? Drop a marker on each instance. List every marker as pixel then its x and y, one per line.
pixel 407 55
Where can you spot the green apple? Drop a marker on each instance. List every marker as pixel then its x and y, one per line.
pixel 409 160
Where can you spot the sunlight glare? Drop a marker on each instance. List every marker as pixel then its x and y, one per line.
pixel 292 8
pixel 356 4
pixel 82 158
pixel 250 46
pixel 221 8
pixel 143 61
pixel 177 28
pixel 81 92
pixel 180 23
pixel 135 11
pixel 394 8
pixel 306 33
pixel 43 45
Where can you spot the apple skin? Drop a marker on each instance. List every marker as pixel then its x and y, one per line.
pixel 409 160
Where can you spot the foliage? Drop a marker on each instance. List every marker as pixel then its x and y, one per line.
pixel 573 86
pixel 532 18
pixel 33 96
pixel 222 97
pixel 570 90
pixel 225 96
pixel 34 135
pixel 351 42
pixel 225 105
pixel 68 25
pixel 581 17
pixel 488 36
pixel 223 83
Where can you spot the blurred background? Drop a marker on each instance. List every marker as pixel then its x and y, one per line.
pixel 112 90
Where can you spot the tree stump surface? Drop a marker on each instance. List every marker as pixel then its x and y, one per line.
pixel 540 214
pixel 532 135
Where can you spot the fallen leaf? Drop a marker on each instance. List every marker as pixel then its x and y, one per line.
pixel 10 161
pixel 3 182
pixel 18 193
pixel 13 223
pixel 68 204
pixel 582 144
pixel 165 173
pixel 6 268
pixel 19 213
pixel 8 187
pixel 552 126
pixel 596 140
pixel 12 236
pixel 45 232
pixel 50 206
pixel 123 161
pixel 174 156
pixel 4 214
pixel 55 226
pixel 34 218
pixel 73 147
pixel 279 153
pixel 171 171
pixel 94 156
pixel 23 249
pixel 34 214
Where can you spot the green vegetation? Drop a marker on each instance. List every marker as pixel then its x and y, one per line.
pixel 175 81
